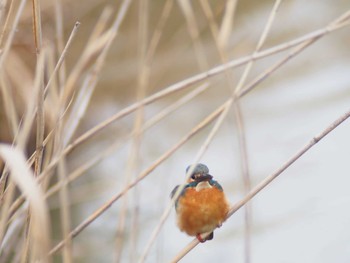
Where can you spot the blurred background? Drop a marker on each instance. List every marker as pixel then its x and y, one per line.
pixel 300 217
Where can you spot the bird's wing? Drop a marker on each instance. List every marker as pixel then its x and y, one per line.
pixel 174 191
pixel 216 184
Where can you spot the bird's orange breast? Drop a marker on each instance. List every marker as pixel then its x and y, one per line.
pixel 201 211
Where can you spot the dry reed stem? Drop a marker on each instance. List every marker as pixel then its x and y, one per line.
pixel 37 25
pixel 5 26
pixel 227 24
pixel 242 134
pixel 24 179
pixel 271 177
pixel 193 30
pixel 6 200
pixel 141 176
pixel 38 110
pixel 221 44
pixel 59 38
pixel 65 211
pixel 64 199
pixel 51 113
pixel 143 79
pixel 275 66
pixel 91 51
pixel 242 141
pixel 24 254
pixel 336 24
pixel 40 118
pixel 260 44
pixel 158 31
pixel 19 201
pixel 201 151
pixel 101 24
pixel 133 160
pixel 5 50
pixel 211 20
pixel 9 104
pixel 63 55
pixel 23 133
pixel 12 240
pixel 120 230
pixel 84 94
pixel 21 138
pixel 289 162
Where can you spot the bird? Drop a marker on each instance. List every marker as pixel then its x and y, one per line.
pixel 201 206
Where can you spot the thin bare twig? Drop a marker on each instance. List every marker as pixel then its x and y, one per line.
pixel 271 177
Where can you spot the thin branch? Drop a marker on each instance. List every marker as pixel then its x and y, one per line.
pixel 271 177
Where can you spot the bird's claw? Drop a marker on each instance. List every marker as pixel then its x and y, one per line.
pixel 200 239
pixel 209 236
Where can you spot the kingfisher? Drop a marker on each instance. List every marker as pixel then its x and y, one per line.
pixel 201 206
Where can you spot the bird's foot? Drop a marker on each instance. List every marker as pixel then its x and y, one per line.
pixel 202 240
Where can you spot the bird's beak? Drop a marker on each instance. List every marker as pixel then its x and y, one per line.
pixel 204 177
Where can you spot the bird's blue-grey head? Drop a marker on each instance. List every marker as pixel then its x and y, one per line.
pixel 200 172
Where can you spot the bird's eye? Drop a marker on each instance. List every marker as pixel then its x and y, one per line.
pixel 193 177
